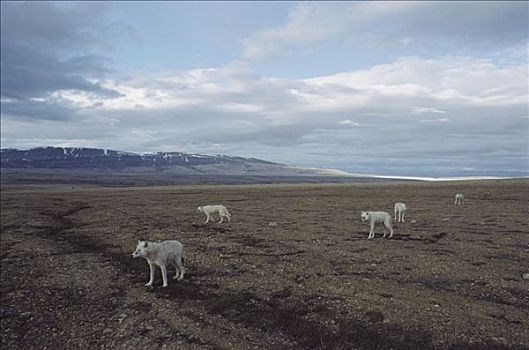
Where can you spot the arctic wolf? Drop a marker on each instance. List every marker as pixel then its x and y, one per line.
pixel 459 199
pixel 209 210
pixel 162 254
pixel 377 217
pixel 400 210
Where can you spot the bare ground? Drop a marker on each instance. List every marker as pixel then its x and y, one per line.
pixel 450 280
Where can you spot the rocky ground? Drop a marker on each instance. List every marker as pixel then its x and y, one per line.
pixel 294 268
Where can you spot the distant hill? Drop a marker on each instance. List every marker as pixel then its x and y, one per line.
pixel 109 167
pixel 176 163
pixel 103 167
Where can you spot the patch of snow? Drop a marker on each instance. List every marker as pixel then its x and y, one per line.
pixel 429 178
pixel 336 172
pixel 125 153
pixel 457 178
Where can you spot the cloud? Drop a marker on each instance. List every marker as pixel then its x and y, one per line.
pixel 468 80
pixel 440 120
pixel 428 110
pixel 309 24
pixel 348 122
pixel 63 26
pixel 47 48
pixel 393 25
pixel 28 72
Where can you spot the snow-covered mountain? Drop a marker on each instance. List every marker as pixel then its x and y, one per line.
pixel 66 159
pixel 169 162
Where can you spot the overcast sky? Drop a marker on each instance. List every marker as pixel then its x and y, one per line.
pixel 400 88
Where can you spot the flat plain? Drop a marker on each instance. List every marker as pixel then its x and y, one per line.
pixel 294 269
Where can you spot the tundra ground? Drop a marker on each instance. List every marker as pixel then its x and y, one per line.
pixel 294 268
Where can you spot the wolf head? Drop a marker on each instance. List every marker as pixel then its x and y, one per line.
pixel 199 209
pixel 364 216
pixel 142 249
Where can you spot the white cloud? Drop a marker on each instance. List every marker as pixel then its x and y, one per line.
pixel 428 110
pixel 440 120
pixel 469 80
pixel 311 23
pixel 387 25
pixel 431 86
pixel 459 84
pixel 348 122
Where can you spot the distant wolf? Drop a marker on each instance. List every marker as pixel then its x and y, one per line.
pixel 400 210
pixel 377 217
pixel 209 210
pixel 162 254
pixel 459 199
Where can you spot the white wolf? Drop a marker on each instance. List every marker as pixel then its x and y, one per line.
pixel 162 254
pixel 377 217
pixel 459 199
pixel 400 210
pixel 209 210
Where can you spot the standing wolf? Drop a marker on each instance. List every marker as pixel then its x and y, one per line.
pixel 209 210
pixel 400 211
pixel 162 254
pixel 377 217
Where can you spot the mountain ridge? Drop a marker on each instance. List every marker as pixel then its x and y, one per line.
pixel 99 159
pixel 12 156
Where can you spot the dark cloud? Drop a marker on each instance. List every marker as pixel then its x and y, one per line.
pixel 476 23
pixel 60 26
pixel 49 47
pixel 41 110
pixel 28 72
